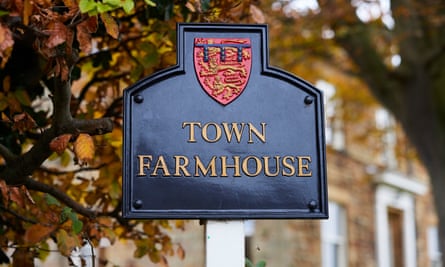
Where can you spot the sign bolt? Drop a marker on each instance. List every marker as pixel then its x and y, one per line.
pixel 312 205
pixel 137 204
pixel 308 100
pixel 138 99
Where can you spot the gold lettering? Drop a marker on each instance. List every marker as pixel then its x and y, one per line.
pixel 258 165
pixel 160 164
pixel 143 164
pixel 261 136
pixel 199 166
pixel 181 163
pixel 204 133
pixel 303 166
pixel 192 125
pixel 288 166
pixel 266 166
pixel 235 166
pixel 233 130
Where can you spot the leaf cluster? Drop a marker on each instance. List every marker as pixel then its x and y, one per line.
pixel 63 67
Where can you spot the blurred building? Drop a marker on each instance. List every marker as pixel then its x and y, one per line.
pixel 380 204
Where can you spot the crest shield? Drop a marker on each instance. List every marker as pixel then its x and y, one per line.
pixel 222 66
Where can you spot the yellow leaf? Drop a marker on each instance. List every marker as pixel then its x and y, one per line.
pixel 110 25
pixel 27 11
pixel 65 242
pixel 84 149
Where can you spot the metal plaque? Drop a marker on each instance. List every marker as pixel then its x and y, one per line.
pixel 222 135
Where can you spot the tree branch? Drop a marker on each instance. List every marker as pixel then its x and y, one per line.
pixel 32 184
pixel 7 154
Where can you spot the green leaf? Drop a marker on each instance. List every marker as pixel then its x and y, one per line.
pixel 50 200
pixel 150 3
pixel 87 6
pixel 3 13
pixel 77 226
pixel 261 264
pixel 103 8
pixel 23 97
pixel 44 250
pixel 64 215
pixel 128 6
pixel 115 3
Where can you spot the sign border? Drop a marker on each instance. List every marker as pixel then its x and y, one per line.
pixel 317 210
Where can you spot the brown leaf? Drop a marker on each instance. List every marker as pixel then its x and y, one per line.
pixel 23 122
pixel 23 257
pixel 15 195
pixel 4 191
pixel 6 44
pixel 58 33
pixel 257 14
pixel 163 262
pixel 60 143
pixel 180 252
pixel 38 232
pixel 84 149
pixel 84 30
pixel 110 25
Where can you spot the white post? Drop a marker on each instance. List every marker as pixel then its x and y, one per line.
pixel 225 244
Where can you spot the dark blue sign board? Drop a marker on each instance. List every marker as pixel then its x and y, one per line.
pixel 222 135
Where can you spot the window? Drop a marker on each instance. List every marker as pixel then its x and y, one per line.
pixel 395 231
pixel 395 220
pixel 433 247
pixel 333 237
pixel 334 131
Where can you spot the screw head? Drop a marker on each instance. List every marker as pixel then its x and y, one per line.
pixel 137 204
pixel 312 205
pixel 138 99
pixel 308 100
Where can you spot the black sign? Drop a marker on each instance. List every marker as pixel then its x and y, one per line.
pixel 222 135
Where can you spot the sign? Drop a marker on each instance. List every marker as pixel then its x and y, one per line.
pixel 222 135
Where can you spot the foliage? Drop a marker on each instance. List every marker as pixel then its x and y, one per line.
pixel 249 263
pixel 393 49
pixel 64 64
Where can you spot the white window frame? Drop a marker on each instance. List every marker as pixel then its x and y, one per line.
pixel 396 191
pixel 337 215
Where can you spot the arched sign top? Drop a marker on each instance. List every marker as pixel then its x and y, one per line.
pixel 222 134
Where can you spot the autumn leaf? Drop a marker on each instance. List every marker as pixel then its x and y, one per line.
pixel 38 232
pixel 65 242
pixel 84 31
pixel 57 32
pixel 16 196
pixel 84 149
pixel 59 143
pixel 180 252
pixel 23 257
pixel 4 191
pixel 6 44
pixel 27 11
pixel 23 122
pixel 257 14
pixel 110 25
pixel 163 262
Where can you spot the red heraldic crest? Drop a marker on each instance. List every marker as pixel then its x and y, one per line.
pixel 223 66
